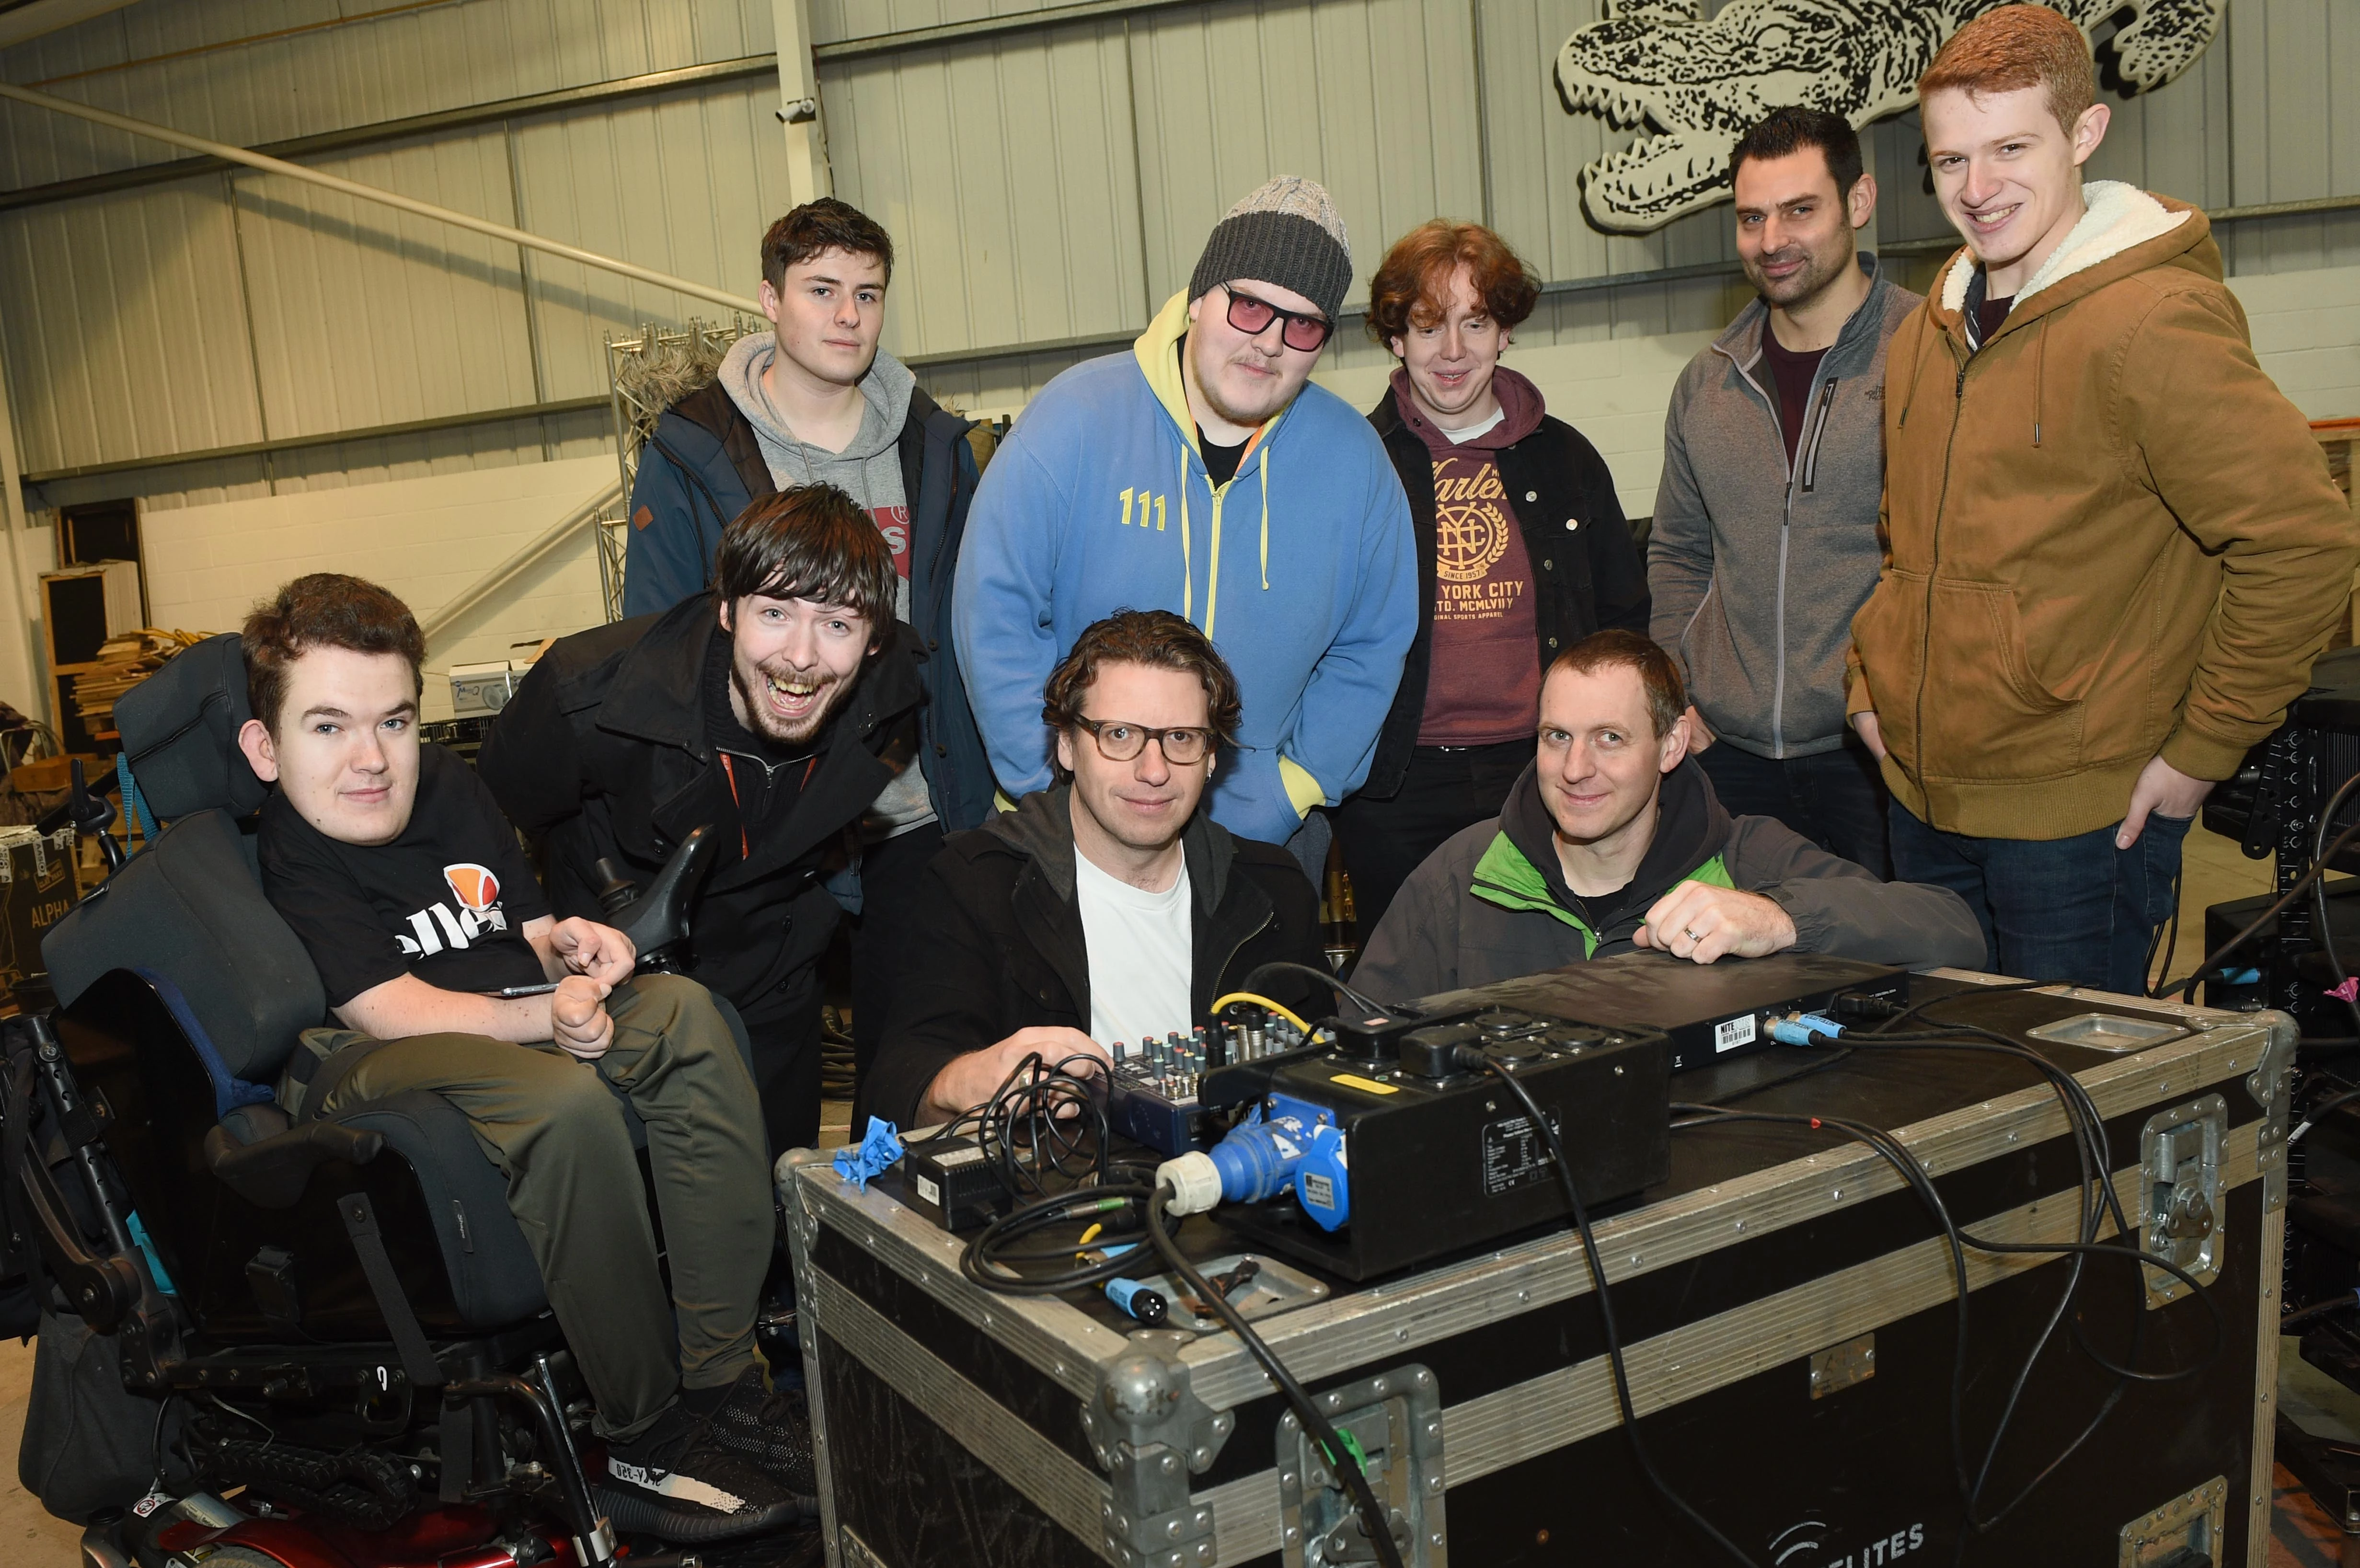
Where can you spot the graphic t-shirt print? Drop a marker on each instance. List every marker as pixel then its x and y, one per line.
pixel 1483 685
pixel 477 892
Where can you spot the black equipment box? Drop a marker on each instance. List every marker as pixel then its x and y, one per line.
pixel 1441 1160
pixel 1786 1305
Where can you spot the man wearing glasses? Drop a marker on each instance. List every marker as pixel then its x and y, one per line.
pixel 1202 475
pixel 1106 910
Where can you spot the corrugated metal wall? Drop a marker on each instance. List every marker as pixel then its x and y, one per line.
pixel 1044 186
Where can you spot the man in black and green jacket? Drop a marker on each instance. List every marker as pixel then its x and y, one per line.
pixel 1613 839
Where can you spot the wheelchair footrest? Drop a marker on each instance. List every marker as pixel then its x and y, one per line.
pixel 637 1515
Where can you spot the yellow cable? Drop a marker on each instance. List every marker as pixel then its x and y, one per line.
pixel 1286 1012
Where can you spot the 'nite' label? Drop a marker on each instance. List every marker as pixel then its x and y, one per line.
pixel 1732 1033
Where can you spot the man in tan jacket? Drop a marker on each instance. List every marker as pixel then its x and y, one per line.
pixel 2112 547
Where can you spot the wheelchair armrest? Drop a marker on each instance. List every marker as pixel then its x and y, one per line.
pixel 273 1172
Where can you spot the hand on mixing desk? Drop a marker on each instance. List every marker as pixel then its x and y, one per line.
pixel 578 1020
pixel 970 1079
pixel 1703 923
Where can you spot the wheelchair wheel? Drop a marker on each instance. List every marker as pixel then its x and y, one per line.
pixel 234 1556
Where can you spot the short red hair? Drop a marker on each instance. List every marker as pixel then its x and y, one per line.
pixel 2013 48
pixel 1408 288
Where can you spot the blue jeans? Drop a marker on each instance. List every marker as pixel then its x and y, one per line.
pixel 2071 909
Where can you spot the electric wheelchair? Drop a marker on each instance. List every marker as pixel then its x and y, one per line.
pixel 336 1323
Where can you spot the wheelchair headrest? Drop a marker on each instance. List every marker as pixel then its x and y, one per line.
pixel 180 729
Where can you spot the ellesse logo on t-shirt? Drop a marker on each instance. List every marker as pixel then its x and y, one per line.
pixel 438 925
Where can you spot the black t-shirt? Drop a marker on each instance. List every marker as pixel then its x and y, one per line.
pixel 447 901
pixel 1793 373
pixel 765 778
pixel 1221 462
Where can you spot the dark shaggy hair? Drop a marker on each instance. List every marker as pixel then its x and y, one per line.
pixel 326 609
pixel 1157 639
pixel 1667 698
pixel 810 543
pixel 1408 288
pixel 1790 130
pixel 819 226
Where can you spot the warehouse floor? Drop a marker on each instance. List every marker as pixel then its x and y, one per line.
pixel 2303 1537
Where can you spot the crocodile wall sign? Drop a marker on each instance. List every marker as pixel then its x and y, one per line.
pixel 1693 86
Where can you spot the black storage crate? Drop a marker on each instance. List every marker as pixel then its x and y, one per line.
pixel 1786 1305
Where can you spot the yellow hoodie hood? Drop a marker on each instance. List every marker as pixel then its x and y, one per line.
pixel 1157 351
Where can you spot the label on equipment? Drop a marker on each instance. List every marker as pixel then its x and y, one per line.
pixel 1319 1191
pixel 1515 1154
pixel 928 1190
pixel 1732 1033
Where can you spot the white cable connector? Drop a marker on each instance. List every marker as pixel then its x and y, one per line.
pixel 1195 1180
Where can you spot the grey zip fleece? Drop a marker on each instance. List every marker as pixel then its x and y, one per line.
pixel 1755 566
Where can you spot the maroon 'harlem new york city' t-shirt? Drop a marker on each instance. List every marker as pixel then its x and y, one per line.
pixel 1483 682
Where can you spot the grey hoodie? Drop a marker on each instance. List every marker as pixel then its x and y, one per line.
pixel 869 470
pixel 1757 566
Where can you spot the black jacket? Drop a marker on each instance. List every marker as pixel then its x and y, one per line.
pixel 602 751
pixel 702 467
pixel 1001 936
pixel 1585 579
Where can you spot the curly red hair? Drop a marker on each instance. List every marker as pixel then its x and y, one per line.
pixel 1407 288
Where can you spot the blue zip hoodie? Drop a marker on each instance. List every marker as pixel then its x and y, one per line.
pixel 1300 569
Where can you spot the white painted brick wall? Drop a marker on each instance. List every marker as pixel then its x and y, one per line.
pixel 2306 330
pixel 425 539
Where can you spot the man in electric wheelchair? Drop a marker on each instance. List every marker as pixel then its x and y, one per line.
pixel 406 885
pixel 345 1226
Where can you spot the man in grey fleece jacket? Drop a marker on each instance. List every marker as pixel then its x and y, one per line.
pixel 1613 839
pixel 1765 535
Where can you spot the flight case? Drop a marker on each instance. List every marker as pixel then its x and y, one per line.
pixel 1788 1314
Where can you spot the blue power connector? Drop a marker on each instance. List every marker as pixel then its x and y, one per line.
pixel 1805 1029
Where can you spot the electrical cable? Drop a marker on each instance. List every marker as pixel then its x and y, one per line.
pixel 1479 1062
pixel 1339 1457
pixel 1333 982
pixel 1286 1012
pixel 1914 1174
pixel 2186 988
pixel 2319 894
pixel 985 1259
pixel 2321 1110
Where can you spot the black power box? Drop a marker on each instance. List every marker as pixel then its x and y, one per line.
pixel 1441 1159
pixel 948 1181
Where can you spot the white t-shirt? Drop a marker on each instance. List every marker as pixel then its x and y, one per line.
pixel 1141 959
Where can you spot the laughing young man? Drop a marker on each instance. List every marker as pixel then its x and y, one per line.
pixel 2112 546
pixel 393 866
pixel 759 707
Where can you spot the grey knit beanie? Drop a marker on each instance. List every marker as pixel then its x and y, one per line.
pixel 1288 232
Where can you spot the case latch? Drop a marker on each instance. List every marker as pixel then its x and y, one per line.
pixel 2180 1164
pixel 1393 1422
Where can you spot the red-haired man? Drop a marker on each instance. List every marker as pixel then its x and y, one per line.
pixel 1522 551
pixel 2112 547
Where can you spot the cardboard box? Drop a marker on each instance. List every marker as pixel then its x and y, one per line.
pixel 36 887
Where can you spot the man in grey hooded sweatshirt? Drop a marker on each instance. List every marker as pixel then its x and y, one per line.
pixel 1765 536
pixel 815 400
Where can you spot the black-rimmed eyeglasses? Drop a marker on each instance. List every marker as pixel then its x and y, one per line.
pixel 1306 333
pixel 1119 740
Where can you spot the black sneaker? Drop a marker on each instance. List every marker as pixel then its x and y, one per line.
pixel 676 1468
pixel 771 1431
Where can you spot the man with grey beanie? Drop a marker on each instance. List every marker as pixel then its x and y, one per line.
pixel 1203 475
